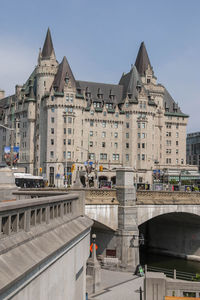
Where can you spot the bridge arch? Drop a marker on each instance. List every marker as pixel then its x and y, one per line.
pixel 148 212
pixel 105 214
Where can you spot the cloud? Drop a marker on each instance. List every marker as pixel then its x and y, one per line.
pixel 17 61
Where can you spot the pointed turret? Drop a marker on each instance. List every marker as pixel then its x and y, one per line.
pixel 142 61
pixel 48 49
pixel 132 84
pixel 63 76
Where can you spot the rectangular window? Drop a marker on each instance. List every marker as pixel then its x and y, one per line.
pixel 91 156
pixel 64 119
pixel 143 135
pixel 91 123
pixel 64 130
pixel 103 124
pixel 103 156
pixel 138 135
pixel 138 156
pixel 127 145
pixel 115 134
pixel 52 130
pixel 143 145
pixel 69 154
pixel 52 141
pixel 115 156
pixel 116 125
pixel 52 119
pixel 69 120
pixel 116 145
pixel 177 134
pixel 69 142
pixel 69 130
pixel 64 142
pixel 91 133
pixel 51 154
pixel 64 154
pixel 127 125
pixel 103 144
pixel 176 143
pixel 103 134
pixel 138 125
pixel 176 151
pixel 127 135
pixel 127 157
pixel 143 125
pixel 91 144
pixel 138 145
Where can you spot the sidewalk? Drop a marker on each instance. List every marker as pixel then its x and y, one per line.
pixel 118 286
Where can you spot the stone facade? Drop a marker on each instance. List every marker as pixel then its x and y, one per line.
pixel 61 121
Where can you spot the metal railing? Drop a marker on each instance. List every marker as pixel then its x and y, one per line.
pixel 173 273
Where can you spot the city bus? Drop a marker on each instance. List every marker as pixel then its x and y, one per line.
pixel 25 180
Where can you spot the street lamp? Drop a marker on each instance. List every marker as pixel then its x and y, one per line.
pixel 88 158
pixel 11 143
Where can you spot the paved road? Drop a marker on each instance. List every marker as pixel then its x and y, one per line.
pixel 118 286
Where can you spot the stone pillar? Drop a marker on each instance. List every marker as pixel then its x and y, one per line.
pixel 94 270
pixel 127 235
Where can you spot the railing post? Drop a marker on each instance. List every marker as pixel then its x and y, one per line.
pixel 174 273
pixel 47 214
pixel 27 215
pixel 145 269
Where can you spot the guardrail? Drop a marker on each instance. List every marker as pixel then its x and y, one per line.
pixel 24 215
pixel 172 273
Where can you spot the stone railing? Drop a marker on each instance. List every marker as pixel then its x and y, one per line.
pixel 163 197
pixel 26 215
pixel 101 196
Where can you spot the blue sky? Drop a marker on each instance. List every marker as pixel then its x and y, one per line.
pixel 101 39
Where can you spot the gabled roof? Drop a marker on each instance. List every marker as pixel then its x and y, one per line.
pixel 142 60
pixel 170 105
pixel 104 88
pixel 130 81
pixel 64 71
pixel 48 49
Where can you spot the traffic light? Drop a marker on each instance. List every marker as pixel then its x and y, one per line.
pixel 40 170
pixel 100 168
pixel 73 168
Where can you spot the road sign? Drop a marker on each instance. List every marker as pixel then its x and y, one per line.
pixel 90 163
pixel 57 176
pixel 85 163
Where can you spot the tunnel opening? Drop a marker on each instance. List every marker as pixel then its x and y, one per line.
pixel 171 241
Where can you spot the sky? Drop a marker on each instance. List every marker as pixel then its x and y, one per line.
pixel 101 38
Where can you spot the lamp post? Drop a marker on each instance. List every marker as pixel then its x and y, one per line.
pixel 11 143
pixel 88 157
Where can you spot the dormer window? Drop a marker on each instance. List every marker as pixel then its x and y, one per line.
pixel 66 78
pixel 87 93
pixel 129 96
pixel 100 94
pixel 138 87
pixel 148 80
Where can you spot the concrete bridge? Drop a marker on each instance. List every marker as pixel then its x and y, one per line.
pixel 102 205
pixel 44 246
pixel 169 221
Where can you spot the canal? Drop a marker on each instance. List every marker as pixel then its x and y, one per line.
pixel 169 262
